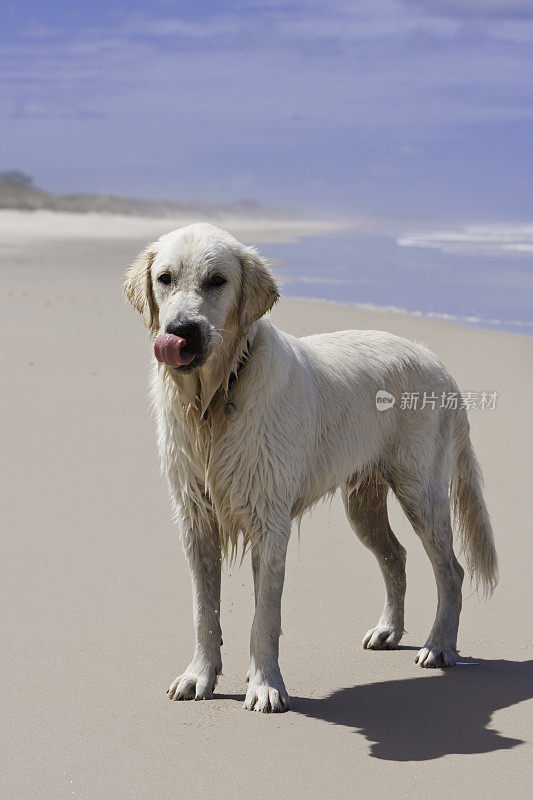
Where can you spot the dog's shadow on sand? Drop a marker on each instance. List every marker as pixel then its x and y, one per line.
pixel 427 717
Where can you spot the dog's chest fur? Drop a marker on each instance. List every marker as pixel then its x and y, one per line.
pixel 215 466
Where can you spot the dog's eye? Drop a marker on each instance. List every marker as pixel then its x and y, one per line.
pixel 165 278
pixel 216 280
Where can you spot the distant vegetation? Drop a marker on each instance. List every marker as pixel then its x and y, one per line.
pixel 17 190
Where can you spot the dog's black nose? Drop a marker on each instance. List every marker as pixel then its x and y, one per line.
pixel 190 331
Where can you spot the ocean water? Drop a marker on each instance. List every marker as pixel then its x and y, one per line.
pixel 479 275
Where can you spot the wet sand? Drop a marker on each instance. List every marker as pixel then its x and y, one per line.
pixel 96 593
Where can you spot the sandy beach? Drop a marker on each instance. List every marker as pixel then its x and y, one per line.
pixel 96 592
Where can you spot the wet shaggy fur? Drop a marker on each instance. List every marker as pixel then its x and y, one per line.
pixel 268 424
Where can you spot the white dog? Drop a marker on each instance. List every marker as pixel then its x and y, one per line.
pixel 255 426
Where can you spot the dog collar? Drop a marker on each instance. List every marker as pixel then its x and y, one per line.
pixel 230 409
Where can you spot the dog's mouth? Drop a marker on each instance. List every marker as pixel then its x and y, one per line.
pixel 172 351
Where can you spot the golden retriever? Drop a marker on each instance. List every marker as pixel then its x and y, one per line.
pixel 255 426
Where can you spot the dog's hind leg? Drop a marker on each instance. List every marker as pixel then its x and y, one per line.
pixel 428 509
pixel 366 506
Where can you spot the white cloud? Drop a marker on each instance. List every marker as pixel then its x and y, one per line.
pixel 256 88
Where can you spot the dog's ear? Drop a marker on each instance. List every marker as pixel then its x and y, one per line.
pixel 259 289
pixel 138 288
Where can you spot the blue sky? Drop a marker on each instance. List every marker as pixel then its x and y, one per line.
pixel 386 107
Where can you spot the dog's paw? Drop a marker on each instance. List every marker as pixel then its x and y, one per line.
pixel 194 685
pixel 382 637
pixel 268 697
pixel 432 655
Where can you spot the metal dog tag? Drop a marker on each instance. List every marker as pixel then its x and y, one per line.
pixel 232 412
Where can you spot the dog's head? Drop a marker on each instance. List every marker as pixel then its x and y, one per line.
pixel 199 291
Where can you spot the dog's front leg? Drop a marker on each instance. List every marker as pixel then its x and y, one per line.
pixel 266 690
pixel 202 548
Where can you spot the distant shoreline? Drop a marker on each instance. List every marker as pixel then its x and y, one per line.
pixel 22 226
pixel 18 193
pixel 22 229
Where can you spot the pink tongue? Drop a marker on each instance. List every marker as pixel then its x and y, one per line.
pixel 168 348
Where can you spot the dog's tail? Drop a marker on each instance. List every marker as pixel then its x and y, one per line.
pixel 470 513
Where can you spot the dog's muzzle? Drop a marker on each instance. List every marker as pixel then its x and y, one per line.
pixel 181 346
